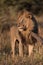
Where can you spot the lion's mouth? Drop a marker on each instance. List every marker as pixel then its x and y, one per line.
pixel 20 28
pixel 23 28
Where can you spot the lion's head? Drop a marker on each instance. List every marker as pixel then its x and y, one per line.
pixel 25 21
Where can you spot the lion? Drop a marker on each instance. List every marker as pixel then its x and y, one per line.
pixel 21 33
pixel 23 27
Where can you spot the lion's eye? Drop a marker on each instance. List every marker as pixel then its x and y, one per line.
pixel 23 25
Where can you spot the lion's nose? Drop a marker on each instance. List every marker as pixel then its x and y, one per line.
pixel 24 28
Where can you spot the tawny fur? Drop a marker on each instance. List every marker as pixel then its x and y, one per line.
pixel 24 21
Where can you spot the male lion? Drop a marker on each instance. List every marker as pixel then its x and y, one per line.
pixel 26 23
